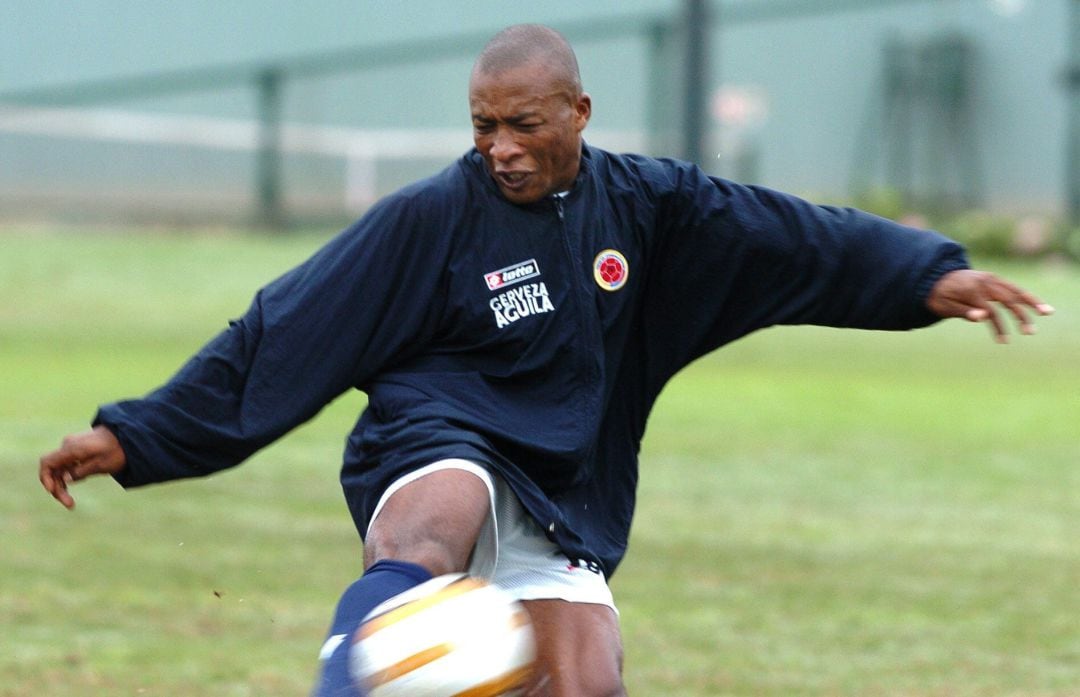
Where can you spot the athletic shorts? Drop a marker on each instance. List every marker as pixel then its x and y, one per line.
pixel 512 550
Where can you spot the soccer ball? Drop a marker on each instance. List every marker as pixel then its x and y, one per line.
pixel 454 634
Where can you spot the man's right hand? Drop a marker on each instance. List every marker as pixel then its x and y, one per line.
pixel 79 456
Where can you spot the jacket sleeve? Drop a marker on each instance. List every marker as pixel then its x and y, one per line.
pixel 365 300
pixel 732 259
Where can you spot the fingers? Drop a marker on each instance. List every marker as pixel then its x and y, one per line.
pixel 1018 301
pixel 987 314
pixel 49 482
pixel 978 295
pixel 1020 313
pixel 1023 297
pixel 79 456
pixel 55 478
pixel 56 471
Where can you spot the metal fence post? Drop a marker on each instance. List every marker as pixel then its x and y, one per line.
pixel 1072 146
pixel 696 16
pixel 268 170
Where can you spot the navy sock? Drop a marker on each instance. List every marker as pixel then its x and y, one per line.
pixel 382 581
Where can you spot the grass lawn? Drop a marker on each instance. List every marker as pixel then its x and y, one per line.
pixel 821 512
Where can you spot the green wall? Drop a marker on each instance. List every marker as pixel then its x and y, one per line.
pixel 818 77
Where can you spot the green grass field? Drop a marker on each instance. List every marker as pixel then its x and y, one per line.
pixel 822 512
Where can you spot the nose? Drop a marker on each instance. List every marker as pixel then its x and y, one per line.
pixel 504 147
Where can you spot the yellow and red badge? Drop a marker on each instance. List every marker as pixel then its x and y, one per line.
pixel 610 270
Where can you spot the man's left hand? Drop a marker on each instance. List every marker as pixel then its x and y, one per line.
pixel 979 296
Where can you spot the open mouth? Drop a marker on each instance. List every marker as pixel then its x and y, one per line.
pixel 512 180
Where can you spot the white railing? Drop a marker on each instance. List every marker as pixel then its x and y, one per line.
pixel 361 149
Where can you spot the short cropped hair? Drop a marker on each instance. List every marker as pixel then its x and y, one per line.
pixel 523 43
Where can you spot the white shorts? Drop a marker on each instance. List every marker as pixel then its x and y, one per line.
pixel 512 551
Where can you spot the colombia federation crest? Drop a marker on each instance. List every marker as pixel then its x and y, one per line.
pixel 610 270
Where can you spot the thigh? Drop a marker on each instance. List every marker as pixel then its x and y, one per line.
pixel 579 649
pixel 433 521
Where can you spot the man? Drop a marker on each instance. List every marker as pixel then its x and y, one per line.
pixel 512 320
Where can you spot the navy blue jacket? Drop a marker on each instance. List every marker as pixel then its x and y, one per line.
pixel 483 330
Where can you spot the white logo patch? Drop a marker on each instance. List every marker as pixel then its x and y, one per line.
pixel 515 273
pixel 529 299
pixel 331 645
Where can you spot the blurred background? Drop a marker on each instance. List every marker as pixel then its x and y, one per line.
pixel 821 512
pixel 286 113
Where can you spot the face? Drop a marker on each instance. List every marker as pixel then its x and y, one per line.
pixel 527 125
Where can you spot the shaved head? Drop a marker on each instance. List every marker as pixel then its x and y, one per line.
pixel 528 112
pixel 523 44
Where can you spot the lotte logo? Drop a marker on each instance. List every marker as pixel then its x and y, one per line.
pixel 610 270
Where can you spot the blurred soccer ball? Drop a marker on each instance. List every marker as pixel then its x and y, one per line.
pixel 453 635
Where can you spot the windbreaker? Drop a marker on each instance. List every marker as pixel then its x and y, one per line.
pixel 531 339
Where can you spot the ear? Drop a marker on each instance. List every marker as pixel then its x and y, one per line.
pixel 582 110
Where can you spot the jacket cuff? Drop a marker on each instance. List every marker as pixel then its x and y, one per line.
pixel 956 262
pixel 125 477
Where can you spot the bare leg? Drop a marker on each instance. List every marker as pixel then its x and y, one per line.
pixel 433 521
pixel 426 528
pixel 579 650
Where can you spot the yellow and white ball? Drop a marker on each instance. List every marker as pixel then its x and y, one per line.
pixel 454 636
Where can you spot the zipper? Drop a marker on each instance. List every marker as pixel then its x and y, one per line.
pixel 586 359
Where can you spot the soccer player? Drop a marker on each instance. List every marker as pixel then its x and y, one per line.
pixel 512 320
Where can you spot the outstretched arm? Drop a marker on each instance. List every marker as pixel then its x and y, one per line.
pixel 324 327
pixel 979 296
pixel 80 455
